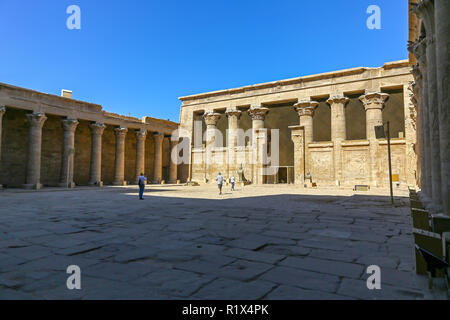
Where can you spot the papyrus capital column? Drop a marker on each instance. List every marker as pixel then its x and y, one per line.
pixel 298 138
pixel 373 104
pixel 141 136
pixel 258 114
pixel 119 172
pixel 157 175
pixel 211 119
pixel 97 129
pixel 36 121
pixel 338 132
pixel 233 126
pixel 68 154
pixel 305 110
pixel 173 153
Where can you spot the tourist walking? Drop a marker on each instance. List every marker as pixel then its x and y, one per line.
pixel 219 182
pixel 232 183
pixel 141 182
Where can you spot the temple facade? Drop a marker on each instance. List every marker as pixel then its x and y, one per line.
pixel 312 129
pixel 49 140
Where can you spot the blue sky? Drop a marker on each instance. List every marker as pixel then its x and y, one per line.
pixel 137 57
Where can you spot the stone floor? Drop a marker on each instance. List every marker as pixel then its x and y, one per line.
pixel 267 242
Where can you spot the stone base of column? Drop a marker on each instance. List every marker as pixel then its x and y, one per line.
pixel 32 186
pixel 96 184
pixel 119 183
pixel 69 185
pixel 173 181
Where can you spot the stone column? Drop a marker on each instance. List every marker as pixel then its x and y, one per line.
pixel 298 136
pixel 442 27
pixel 119 168
pixel 211 119
pixel 338 132
pixel 173 166
pixel 373 104
pixel 157 174
pixel 233 126
pixel 68 154
pixel 259 138
pixel 305 110
pixel 2 112
pixel 97 129
pixel 425 9
pixel 141 135
pixel 36 121
pixel 420 148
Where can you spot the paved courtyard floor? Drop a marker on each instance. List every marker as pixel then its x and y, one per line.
pixel 260 242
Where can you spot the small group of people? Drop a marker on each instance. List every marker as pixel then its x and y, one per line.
pixel 220 182
pixel 142 179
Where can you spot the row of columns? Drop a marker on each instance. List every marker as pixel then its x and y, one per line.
pixel 36 122
pixel 431 97
pixel 373 104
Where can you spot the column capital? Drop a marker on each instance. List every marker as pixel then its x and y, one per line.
pixel 306 107
pixel 211 118
pixel 158 136
pixel 374 100
pixel 258 112
pixel 2 110
pixel 97 128
pixel 36 119
pixel 335 99
pixel 233 112
pixel 141 134
pixel 69 124
pixel 120 131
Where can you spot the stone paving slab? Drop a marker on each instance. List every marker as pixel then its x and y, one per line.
pixel 260 242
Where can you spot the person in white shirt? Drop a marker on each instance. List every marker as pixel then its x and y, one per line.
pixel 141 182
pixel 219 182
pixel 232 183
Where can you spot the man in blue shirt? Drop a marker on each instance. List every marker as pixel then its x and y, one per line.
pixel 141 182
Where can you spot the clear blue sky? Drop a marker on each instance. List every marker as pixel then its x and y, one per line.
pixel 137 57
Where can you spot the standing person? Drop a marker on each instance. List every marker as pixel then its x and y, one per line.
pixel 232 183
pixel 141 182
pixel 220 182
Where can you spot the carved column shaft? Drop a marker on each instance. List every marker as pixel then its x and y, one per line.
pixel 68 154
pixel 233 126
pixel 297 136
pixel 258 114
pixel 173 168
pixel 338 132
pixel 305 110
pixel 373 104
pixel 119 169
pixel 157 174
pixel 211 119
pixel 141 135
pixel 442 26
pixel 36 121
pixel 96 154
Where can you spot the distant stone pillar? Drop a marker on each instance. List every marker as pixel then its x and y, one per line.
pixel 305 110
pixel 96 154
pixel 442 26
pixel 2 112
pixel 173 153
pixel 36 121
pixel 211 119
pixel 119 168
pixel 373 104
pixel 298 137
pixel 141 135
pixel 259 140
pixel 338 132
pixel 157 174
pixel 233 125
pixel 67 161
